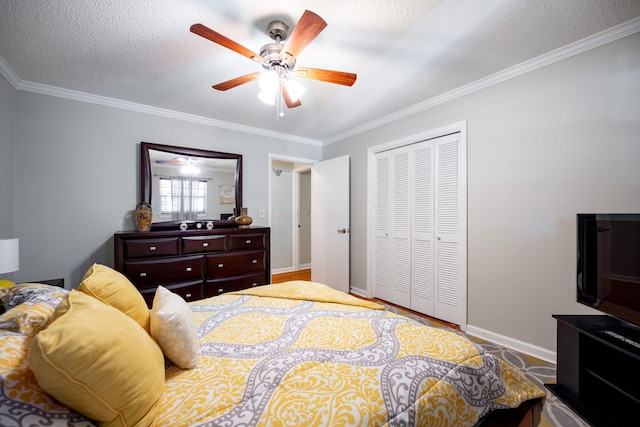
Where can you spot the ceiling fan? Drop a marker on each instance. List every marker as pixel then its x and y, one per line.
pixel 279 60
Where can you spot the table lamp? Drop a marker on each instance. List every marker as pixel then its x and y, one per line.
pixel 9 259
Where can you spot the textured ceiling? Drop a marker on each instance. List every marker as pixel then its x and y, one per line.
pixel 404 52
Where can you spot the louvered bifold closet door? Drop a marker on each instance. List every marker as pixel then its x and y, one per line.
pixel 422 232
pixel 392 276
pixel 381 277
pixel 419 253
pixel 449 204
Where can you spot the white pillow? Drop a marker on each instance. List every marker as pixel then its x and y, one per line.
pixel 175 329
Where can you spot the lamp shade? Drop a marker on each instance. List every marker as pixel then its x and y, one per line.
pixel 9 255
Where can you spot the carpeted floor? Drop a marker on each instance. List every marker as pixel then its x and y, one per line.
pixel 555 413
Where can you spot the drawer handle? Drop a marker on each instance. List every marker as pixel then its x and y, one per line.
pixel 248 241
pixel 220 290
pixel 220 265
pixel 254 261
pixel 188 269
pixel 143 274
pixel 254 284
pixel 152 248
pixel 188 295
pixel 205 244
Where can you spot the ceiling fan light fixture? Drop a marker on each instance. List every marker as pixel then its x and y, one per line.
pixel 295 89
pixel 267 96
pixel 190 170
pixel 269 81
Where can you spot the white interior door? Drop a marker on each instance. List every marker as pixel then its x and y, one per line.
pixel 330 223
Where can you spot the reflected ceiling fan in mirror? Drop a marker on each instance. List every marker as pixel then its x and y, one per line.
pixel 279 60
pixel 188 166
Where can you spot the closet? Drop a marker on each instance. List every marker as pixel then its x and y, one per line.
pixel 419 227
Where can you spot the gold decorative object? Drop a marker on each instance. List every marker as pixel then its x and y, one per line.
pixel 143 216
pixel 243 220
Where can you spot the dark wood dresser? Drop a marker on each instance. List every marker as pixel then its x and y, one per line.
pixel 195 264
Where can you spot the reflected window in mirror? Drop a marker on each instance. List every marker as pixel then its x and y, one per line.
pixel 183 197
pixel 186 184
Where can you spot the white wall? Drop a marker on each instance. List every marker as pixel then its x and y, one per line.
pixel 77 177
pixel 541 147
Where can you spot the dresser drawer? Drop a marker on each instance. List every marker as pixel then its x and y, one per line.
pixel 146 273
pixel 199 244
pixel 220 286
pixel 190 291
pixel 245 242
pixel 233 264
pixel 139 248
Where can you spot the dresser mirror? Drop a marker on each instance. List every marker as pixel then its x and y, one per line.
pixel 190 187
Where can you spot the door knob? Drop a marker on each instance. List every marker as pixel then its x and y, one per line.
pixel 343 230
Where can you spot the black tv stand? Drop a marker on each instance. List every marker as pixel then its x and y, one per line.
pixel 597 370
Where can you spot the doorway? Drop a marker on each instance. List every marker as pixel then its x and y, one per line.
pixel 290 213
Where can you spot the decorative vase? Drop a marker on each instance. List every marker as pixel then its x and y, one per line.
pixel 233 217
pixel 143 216
pixel 243 220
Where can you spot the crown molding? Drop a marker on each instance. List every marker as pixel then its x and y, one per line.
pixel 43 89
pixel 596 40
pixel 7 72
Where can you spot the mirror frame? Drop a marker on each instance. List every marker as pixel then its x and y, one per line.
pixel 146 180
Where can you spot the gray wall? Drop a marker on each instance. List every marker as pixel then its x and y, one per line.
pixel 541 147
pixel 77 176
pixel 6 159
pixel 7 195
pixel 305 218
pixel 281 227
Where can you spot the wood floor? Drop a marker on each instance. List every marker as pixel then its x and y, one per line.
pixel 306 275
pixel 292 275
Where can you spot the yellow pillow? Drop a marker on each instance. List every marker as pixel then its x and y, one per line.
pixel 114 289
pixel 175 329
pixel 99 362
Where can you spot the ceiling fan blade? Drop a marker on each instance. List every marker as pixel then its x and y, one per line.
pixel 307 29
pixel 287 98
pixel 230 84
pixel 329 76
pixel 169 162
pixel 216 37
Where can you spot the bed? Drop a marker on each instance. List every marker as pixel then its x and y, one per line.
pixel 292 354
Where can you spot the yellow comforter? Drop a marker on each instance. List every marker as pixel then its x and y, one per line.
pixel 274 356
pixel 301 354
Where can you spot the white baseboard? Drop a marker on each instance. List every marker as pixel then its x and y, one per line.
pixel 289 269
pixel 358 291
pixel 281 270
pixel 514 344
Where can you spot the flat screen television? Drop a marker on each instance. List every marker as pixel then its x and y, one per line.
pixel 608 275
